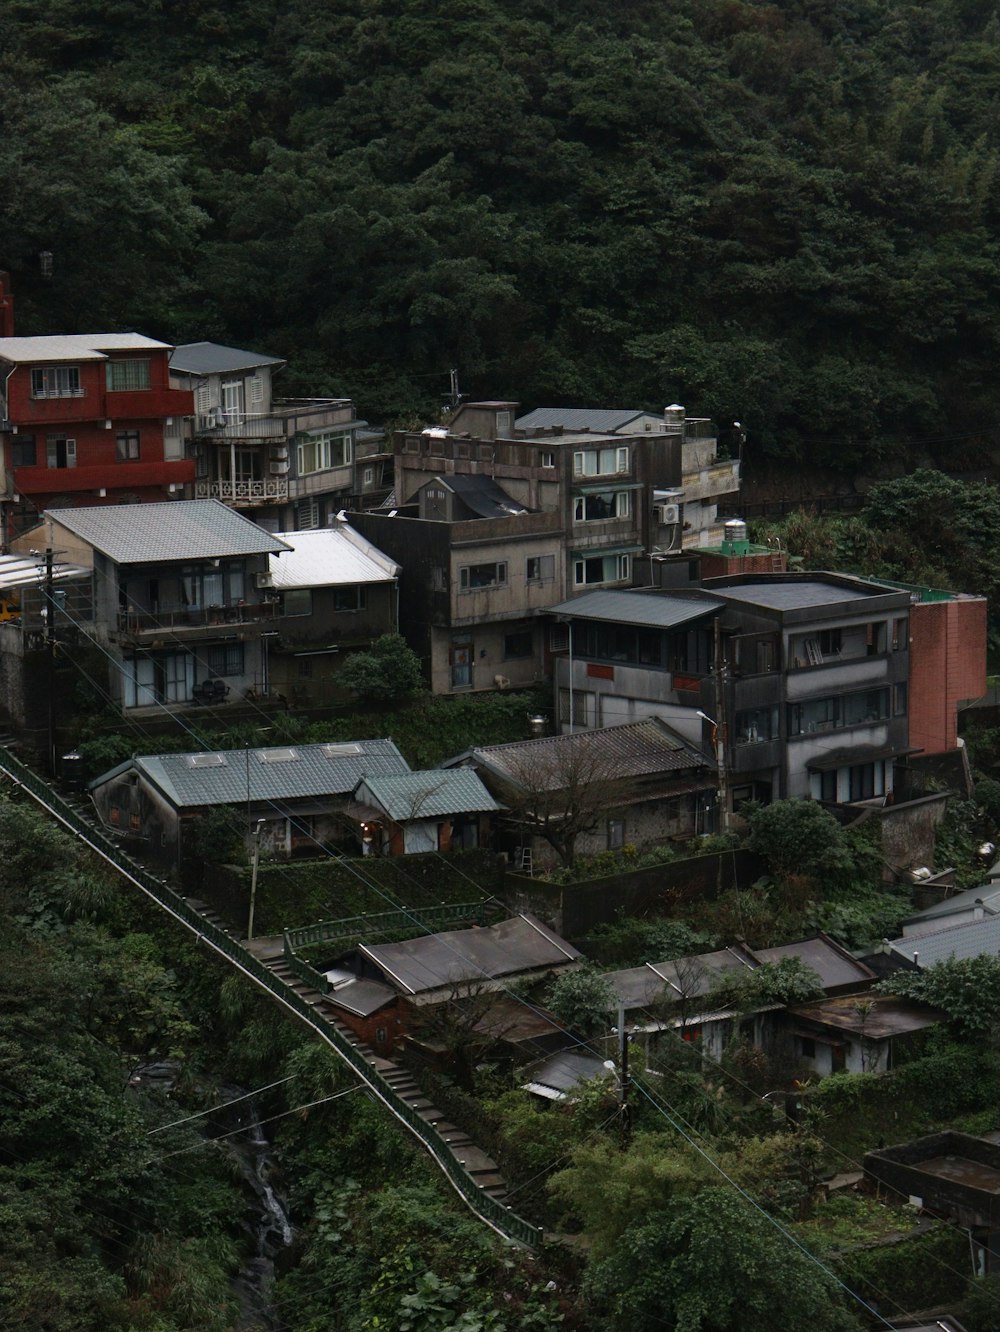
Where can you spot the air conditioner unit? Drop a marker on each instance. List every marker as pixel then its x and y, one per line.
pixel 264 579
pixel 666 515
pixel 278 468
pixel 279 452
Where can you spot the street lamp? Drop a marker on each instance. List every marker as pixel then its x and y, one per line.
pixel 253 874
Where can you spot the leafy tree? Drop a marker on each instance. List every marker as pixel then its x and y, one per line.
pixel 799 837
pixel 582 999
pixel 710 1263
pixel 388 672
pixel 787 981
pixel 967 989
pixel 610 1191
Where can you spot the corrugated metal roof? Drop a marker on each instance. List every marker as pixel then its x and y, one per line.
pixel 884 1015
pixel 685 977
pixel 560 1074
pixel 973 939
pixel 177 530
pixel 29 571
pixel 796 592
pixel 988 895
pixel 634 749
pixel 427 795
pixel 831 964
pixel 294 772
pixel 459 956
pixel 74 347
pixel 655 610
pixel 212 358
pixel 609 419
pixel 329 557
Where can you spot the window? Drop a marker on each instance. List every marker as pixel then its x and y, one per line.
pixel 298 601
pixel 899 700
pixel 875 638
pixel 134 822
pixel 126 376
pixel 325 449
pixel 756 724
pixel 202 399
pixel 807 1047
pixel 600 462
pixel 127 446
pixel 369 476
pixel 830 642
pixel 224 659
pixel 472 576
pixel 60 451
pixel 256 383
pixel 307 515
pixel 56 381
pixel 829 714
pixel 577 707
pixel 596 508
pixel 539 568
pixel 547 459
pixel 232 398
pixel 601 569
pixel 900 634
pixel 616 834
pixel 558 637
pixel 518 645
pixel 348 598
pixel 23 452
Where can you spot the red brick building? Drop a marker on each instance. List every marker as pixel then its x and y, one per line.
pixel 87 419
pixel 947 664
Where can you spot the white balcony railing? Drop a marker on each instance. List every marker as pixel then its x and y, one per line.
pixel 244 492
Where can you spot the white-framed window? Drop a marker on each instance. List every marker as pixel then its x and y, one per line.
pixel 546 458
pixel 60 451
pixel 539 568
pixel 307 515
pixel 127 446
pixel 325 449
pixel 232 398
pixel 474 576
pixel 56 381
pixel 368 478
pixel 127 376
pixel 578 707
pixel 202 399
pixel 598 508
pixel 601 569
pixel 600 462
pixel 173 439
pixel 256 390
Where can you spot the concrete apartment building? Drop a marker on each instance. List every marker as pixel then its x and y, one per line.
pixel 492 527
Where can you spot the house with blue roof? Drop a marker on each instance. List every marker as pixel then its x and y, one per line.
pixel 293 798
pixel 440 810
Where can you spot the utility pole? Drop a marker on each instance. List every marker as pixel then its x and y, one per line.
pixel 50 660
pixel 624 1108
pixel 721 727
pixel 253 876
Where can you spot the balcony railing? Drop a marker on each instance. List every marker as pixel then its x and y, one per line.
pixel 244 492
pixel 286 416
pixel 195 617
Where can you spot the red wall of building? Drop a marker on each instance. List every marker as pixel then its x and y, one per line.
pixel 947 664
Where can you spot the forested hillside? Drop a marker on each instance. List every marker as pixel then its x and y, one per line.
pixel 785 213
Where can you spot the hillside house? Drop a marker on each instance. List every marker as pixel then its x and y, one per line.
pixel 335 593
pixel 88 419
pixel 297 794
pixel 638 785
pixel 435 810
pixel 178 601
pixel 290 460
pixel 388 992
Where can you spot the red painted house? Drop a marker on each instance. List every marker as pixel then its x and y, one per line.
pixel 88 419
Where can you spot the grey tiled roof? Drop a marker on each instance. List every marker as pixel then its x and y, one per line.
pixel 634 749
pixel 208 358
pixel 427 795
pixel 609 419
pixel 973 939
pixel 658 611
pixel 466 956
pixel 307 771
pixel 178 530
